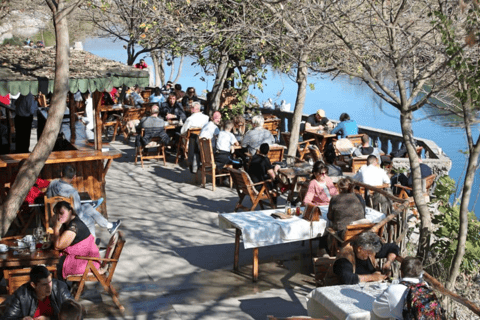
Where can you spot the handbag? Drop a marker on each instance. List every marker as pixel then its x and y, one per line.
pixel 312 213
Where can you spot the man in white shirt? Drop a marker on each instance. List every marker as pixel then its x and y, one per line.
pixel 225 142
pixel 210 130
pixel 371 173
pixel 196 120
pixel 390 303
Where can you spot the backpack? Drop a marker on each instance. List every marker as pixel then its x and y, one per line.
pixel 421 303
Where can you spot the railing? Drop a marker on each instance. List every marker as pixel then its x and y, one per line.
pixel 387 141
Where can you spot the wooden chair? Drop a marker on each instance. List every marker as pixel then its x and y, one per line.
pixel 50 204
pixel 130 114
pixel 302 146
pixel 208 164
pixel 155 143
pixel 15 278
pixel 351 231
pixel 356 139
pixel 115 121
pixel 182 148
pixel 245 187
pixel 315 153
pixel 427 184
pixel 104 275
pixel 276 153
pixel 272 124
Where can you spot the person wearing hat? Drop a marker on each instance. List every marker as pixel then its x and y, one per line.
pixel 167 88
pixel 318 121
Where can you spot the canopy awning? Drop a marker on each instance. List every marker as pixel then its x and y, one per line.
pixel 30 70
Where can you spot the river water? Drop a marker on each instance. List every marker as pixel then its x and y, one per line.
pixel 335 97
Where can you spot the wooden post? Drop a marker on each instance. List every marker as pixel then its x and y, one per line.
pixel 237 249
pixel 255 265
pixel 97 102
pixel 73 114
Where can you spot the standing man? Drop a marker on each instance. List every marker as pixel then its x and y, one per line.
pixel 25 107
pixel 41 298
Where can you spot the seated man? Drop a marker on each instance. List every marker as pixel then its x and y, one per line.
pixel 356 262
pixel 225 142
pixel 210 130
pixel 136 97
pixel 171 109
pixel 333 170
pixel 256 136
pixel 154 127
pixel 63 187
pixel 196 120
pixel 372 174
pixel 41 298
pixel 261 169
pixel 390 303
pixel 402 179
pixel 366 149
pixel 318 121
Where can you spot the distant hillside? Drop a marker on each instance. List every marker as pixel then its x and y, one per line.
pixel 24 23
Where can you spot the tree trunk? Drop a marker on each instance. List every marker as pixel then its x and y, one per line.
pixel 31 169
pixel 218 84
pixel 130 53
pixel 463 230
pixel 158 67
pixel 426 221
pixel 172 69
pixel 180 67
pixel 302 74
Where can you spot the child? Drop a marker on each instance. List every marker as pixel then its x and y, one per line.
pixel 225 142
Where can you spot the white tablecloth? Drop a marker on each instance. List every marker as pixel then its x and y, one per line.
pixel 347 302
pixel 259 229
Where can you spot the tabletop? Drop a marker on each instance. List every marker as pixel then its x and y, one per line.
pixel 349 302
pixel 260 229
pixel 24 258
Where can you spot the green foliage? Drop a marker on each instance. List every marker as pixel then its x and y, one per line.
pixel 14 41
pixel 447 226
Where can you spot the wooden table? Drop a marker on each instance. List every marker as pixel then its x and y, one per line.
pixel 322 138
pixel 295 176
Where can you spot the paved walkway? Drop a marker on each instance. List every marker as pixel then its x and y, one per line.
pixel 177 263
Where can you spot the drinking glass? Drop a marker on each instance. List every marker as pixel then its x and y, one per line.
pixel 38 233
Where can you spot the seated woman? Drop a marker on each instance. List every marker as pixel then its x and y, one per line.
pixel 345 207
pixel 346 127
pixel 356 262
pixel 157 96
pixel 320 188
pixel 72 237
pixel 239 127
pixel 261 169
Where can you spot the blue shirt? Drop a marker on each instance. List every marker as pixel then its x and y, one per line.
pixel 157 99
pixel 346 128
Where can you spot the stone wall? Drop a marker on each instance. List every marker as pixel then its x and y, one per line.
pixel 23 24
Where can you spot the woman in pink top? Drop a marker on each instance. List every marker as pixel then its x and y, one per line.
pixel 320 188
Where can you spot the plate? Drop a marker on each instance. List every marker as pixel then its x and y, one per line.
pixel 3 248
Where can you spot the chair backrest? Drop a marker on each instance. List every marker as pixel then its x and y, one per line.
pixel 113 252
pixel 356 139
pixel 206 152
pixel 242 181
pixel 272 125
pixel 355 229
pixel 50 204
pixel 276 153
pixel 315 153
pixel 133 114
pixel 193 131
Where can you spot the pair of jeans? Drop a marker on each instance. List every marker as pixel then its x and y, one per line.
pixel 89 216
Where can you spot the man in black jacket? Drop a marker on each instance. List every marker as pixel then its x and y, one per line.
pixel 41 298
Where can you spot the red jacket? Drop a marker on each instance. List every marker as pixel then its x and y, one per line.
pixel 35 192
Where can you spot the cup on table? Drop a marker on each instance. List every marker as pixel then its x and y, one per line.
pixel 32 245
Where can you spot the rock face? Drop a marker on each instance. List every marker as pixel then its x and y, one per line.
pixel 23 24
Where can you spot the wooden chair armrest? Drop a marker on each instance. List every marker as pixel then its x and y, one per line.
pixel 261 182
pixel 95 259
pixel 298 159
pixel 403 187
pixel 333 233
pixel 305 141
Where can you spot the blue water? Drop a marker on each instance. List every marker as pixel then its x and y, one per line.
pixel 335 97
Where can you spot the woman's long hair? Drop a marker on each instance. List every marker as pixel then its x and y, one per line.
pixel 63 204
pixel 319 166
